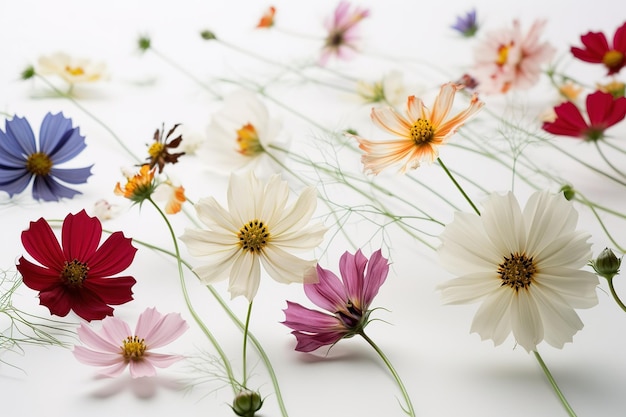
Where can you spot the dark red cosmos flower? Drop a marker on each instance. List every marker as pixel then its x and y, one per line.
pixel 77 276
pixel 598 51
pixel 603 110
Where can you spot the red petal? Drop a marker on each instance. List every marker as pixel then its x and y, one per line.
pixel 619 39
pixel 88 305
pixel 37 277
pixel 40 243
pixel 618 112
pixel 596 46
pixel 599 107
pixel 111 290
pixel 115 255
pixel 58 300
pixel 81 235
pixel 569 121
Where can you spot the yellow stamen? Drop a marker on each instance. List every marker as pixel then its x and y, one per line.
pixel 155 149
pixel 133 348
pixel 503 54
pixel 248 140
pixel 38 164
pixel 74 273
pixel 75 71
pixel 422 131
pixel 253 236
pixel 613 59
pixel 517 271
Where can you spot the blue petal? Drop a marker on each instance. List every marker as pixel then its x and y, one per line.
pixel 47 189
pixel 72 175
pixel 9 158
pixel 14 181
pixel 23 142
pixel 58 139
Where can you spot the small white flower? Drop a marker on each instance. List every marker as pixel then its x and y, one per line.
pixel 258 228
pixel 240 134
pixel 72 69
pixel 390 89
pixel 524 266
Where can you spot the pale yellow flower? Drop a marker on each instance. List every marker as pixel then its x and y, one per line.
pixel 418 134
pixel 71 69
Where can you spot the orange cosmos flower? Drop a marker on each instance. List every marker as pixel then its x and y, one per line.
pixel 173 195
pixel 138 187
pixel 418 135
pixel 267 20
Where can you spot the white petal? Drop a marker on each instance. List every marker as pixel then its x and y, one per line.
pixel 245 276
pixel 273 202
pixel 303 239
pixel 299 214
pixel 208 243
pixel 218 269
pixel 560 320
pixel 284 267
pixel 547 217
pixel 212 214
pixel 577 287
pixel 493 318
pixel 570 250
pixel 502 219
pixel 469 288
pixel 526 321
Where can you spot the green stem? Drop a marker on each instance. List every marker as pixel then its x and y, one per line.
pixel 614 294
pixel 192 311
pixel 613 167
pixel 245 346
pixel 458 186
pixel 235 320
pixel 409 410
pixel 556 388
pixel 90 114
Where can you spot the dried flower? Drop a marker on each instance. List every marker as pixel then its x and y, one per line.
pixel 159 151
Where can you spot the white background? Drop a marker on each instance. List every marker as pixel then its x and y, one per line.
pixel 447 371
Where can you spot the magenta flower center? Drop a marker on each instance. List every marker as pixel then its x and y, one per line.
pixel 38 164
pixel 613 59
pixel 253 236
pixel 352 318
pixel 517 271
pixel 74 273
pixel 133 348
pixel 422 131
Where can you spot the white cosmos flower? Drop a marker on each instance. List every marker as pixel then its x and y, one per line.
pixel 240 134
pixel 258 228
pixel 523 265
pixel 72 69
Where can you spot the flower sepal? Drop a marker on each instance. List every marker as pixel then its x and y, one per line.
pixel 247 403
pixel 607 264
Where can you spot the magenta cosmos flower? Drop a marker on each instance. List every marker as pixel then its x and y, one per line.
pixel 116 347
pixel 77 276
pixel 598 51
pixel 342 32
pixel 347 299
pixel 603 110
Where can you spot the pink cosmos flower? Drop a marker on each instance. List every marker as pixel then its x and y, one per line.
pixel 116 347
pixel 508 59
pixel 347 299
pixel 342 32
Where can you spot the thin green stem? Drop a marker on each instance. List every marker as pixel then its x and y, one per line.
pixel 245 345
pixel 90 114
pixel 614 294
pixel 409 405
pixel 235 320
pixel 556 388
pixel 192 311
pixel 605 159
pixel 458 186
pixel 588 203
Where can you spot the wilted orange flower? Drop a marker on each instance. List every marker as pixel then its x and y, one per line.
pixel 418 135
pixel 139 186
pixel 174 196
pixel 267 20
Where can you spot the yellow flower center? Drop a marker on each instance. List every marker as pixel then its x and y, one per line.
pixel 613 59
pixel 74 273
pixel 75 71
pixel 253 236
pixel 133 348
pixel 248 141
pixel 503 54
pixel 155 149
pixel 422 131
pixel 38 163
pixel 517 271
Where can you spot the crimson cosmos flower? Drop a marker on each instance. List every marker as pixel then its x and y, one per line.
pixel 77 276
pixel 348 300
pixel 598 51
pixel 603 110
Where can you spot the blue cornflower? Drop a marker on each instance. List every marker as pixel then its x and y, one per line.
pixel 22 158
pixel 466 25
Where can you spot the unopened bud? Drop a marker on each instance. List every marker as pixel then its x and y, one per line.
pixel 606 264
pixel 207 35
pixel 568 192
pixel 28 73
pixel 144 43
pixel 247 403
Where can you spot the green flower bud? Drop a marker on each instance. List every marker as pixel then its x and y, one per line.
pixel 28 73
pixel 606 264
pixel 144 43
pixel 351 131
pixel 207 35
pixel 247 403
pixel 568 192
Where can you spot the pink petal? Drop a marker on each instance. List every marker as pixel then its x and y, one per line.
pixel 158 330
pixel 328 293
pixel 377 270
pixel 304 319
pixel 352 268
pixel 162 361
pixel 91 357
pixel 92 339
pixel 142 368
